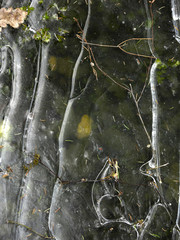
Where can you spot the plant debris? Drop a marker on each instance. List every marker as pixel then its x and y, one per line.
pixel 13 17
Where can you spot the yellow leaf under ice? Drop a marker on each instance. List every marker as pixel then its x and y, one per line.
pixel 84 127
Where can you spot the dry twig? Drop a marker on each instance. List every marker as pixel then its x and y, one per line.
pixel 29 228
pixel 130 90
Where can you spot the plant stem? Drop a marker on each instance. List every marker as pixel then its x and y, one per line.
pixel 29 228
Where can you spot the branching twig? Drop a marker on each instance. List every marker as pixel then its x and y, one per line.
pixel 105 74
pixel 91 56
pixel 134 54
pixel 130 90
pixel 145 83
pixel 29 228
pixel 120 45
pixel 139 115
pixel 111 177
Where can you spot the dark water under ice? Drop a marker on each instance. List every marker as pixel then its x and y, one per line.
pixel 89 134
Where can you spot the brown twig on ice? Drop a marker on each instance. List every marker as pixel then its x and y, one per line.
pixel 105 74
pixel 130 90
pixel 145 83
pixel 139 114
pixel 120 46
pixel 29 228
pixel 152 1
pixel 134 54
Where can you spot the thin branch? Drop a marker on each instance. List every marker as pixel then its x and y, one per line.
pixel 145 83
pixel 91 55
pixel 101 45
pixel 29 228
pixel 135 54
pixel 133 39
pixel 105 74
pixel 120 46
pixel 139 115
pixel 121 85
pixel 75 19
pixel 109 178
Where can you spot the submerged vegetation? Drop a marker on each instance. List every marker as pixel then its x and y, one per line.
pixel 35 162
pixel 164 69
pixel 102 152
pixel 16 17
pixel 43 35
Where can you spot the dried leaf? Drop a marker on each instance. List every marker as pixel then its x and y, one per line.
pixel 45 191
pixel 9 169
pixel 78 36
pixel 5 175
pixel 13 17
pixel 33 211
pixel 1 146
pixel 28 235
pixel 95 73
pixel 57 210
pixel 130 217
